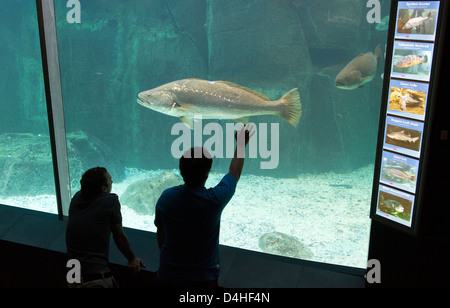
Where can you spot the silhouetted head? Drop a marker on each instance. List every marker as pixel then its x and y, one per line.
pixel 96 181
pixel 195 165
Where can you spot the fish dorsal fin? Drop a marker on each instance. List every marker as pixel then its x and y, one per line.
pixel 231 84
pixel 243 120
pixel 189 122
pixel 377 52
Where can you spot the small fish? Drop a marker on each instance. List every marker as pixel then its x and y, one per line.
pixel 396 173
pixel 359 71
pixel 416 22
pixel 348 186
pixel 394 206
pixel 406 99
pixel 411 60
pixel 391 205
pixel 402 136
pixel 218 100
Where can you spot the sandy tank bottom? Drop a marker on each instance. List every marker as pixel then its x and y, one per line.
pixel 328 212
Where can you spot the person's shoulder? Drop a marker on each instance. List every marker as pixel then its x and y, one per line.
pixel 175 188
pixel 224 190
pixel 229 179
pixel 108 198
pixel 77 195
pixel 228 182
pixel 172 190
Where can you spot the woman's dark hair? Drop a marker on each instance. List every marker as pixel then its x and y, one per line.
pixel 195 165
pixel 93 180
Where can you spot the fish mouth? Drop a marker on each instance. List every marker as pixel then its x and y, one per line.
pixel 342 86
pixel 142 101
pixel 339 84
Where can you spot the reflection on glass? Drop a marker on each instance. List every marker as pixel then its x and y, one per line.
pixel 314 204
pixel 26 167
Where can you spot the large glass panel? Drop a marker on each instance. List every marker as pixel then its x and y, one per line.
pixel 311 200
pixel 26 167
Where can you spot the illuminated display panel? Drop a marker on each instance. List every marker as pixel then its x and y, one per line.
pixel 406 114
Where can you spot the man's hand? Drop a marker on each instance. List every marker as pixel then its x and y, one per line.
pixel 134 265
pixel 243 137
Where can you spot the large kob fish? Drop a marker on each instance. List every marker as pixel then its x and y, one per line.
pixel 218 100
pixel 359 71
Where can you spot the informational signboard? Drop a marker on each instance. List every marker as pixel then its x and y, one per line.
pixel 405 113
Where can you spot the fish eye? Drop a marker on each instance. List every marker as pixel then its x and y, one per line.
pixel 175 105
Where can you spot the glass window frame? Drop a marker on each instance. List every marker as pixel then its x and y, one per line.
pixel 54 100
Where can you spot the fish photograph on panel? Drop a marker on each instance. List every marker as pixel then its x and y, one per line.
pixel 395 203
pixel 408 98
pixel 417 20
pixel 403 136
pixel 406 138
pixel 399 171
pixel 412 60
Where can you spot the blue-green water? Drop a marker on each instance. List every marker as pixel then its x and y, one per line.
pixel 319 193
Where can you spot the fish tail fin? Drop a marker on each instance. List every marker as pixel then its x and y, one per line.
pixel 293 107
pixel 413 178
pixel 425 59
pixel 377 53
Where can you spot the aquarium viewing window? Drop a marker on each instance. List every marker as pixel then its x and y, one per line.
pixel 25 149
pixel 305 191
